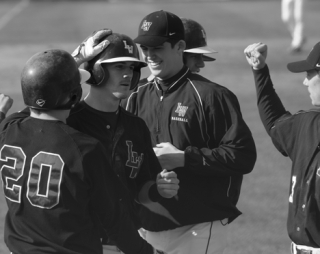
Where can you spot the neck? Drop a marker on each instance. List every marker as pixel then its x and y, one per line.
pixel 101 101
pixel 56 115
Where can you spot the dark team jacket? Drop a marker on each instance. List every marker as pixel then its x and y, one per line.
pixel 129 149
pixel 298 137
pixel 203 119
pixel 59 191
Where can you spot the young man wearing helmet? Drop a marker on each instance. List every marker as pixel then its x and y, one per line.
pixel 126 137
pixel 58 191
pixel 196 46
pixel 197 130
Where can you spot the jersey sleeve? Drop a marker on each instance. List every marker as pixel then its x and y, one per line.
pixel 273 115
pixel 14 117
pixel 234 150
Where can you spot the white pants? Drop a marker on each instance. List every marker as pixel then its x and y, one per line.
pixel 292 16
pixel 294 248
pixel 204 238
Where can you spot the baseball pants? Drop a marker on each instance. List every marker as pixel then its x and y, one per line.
pixel 203 238
pixel 292 15
pixel 301 249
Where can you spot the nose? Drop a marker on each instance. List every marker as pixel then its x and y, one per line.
pixel 200 63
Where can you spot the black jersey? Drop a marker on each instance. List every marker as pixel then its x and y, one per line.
pixel 295 136
pixel 128 146
pixel 58 192
pixel 89 205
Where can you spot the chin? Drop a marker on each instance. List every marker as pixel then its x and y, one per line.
pixel 121 96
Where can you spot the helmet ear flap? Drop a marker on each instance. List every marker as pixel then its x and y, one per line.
pixel 97 73
pixel 135 78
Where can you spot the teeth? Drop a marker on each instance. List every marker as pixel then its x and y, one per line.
pixel 153 63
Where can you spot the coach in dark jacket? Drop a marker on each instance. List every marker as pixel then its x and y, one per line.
pixel 197 129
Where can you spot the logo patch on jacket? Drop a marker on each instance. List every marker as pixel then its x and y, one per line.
pixel 181 111
pixel 134 160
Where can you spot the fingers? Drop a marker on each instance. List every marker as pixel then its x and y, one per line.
pixel 101 46
pixel 5 103
pixel 99 35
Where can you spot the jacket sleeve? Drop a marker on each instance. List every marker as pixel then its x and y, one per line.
pixel 231 150
pixel 107 205
pixel 276 120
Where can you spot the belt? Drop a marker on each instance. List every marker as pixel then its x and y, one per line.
pixel 301 249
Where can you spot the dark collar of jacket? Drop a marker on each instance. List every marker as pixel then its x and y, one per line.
pixel 172 82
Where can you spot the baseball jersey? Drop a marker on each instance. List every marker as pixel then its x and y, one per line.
pixel 58 191
pixel 295 136
pixel 129 149
pixel 204 120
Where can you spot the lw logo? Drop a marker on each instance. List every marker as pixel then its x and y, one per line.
pixel 128 47
pixel 40 102
pixel 146 25
pixel 181 110
pixel 134 160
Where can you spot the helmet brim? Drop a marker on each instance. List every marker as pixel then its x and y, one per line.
pixel 201 50
pixel 123 59
pixel 85 75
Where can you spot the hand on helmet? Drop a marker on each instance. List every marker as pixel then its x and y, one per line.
pixel 90 47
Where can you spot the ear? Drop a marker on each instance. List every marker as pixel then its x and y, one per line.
pixel 181 46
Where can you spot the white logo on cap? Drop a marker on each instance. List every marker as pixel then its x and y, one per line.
pixel 128 47
pixel 171 34
pixel 146 25
pixel 318 65
pixel 203 34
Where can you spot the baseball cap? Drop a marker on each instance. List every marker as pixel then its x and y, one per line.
pixel 158 27
pixel 311 63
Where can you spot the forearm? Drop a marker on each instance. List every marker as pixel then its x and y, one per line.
pixel 269 104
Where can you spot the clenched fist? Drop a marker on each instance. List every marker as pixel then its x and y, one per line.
pixel 256 55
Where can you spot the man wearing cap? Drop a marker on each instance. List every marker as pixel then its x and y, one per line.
pixel 297 137
pixel 196 129
pixel 197 48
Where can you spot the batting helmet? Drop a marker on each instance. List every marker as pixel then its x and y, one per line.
pixel 196 39
pixel 121 49
pixel 52 80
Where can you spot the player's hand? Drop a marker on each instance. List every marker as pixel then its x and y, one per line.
pixel 90 47
pixel 256 55
pixel 169 156
pixel 167 184
pixel 5 103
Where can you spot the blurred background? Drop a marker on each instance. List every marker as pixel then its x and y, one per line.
pixel 27 27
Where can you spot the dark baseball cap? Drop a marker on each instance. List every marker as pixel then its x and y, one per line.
pixel 311 63
pixel 159 27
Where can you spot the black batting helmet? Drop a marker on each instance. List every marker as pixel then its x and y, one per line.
pixel 121 49
pixel 52 80
pixel 196 39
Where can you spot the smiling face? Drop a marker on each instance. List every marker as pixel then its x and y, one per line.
pixel 193 61
pixel 312 81
pixel 119 79
pixel 164 61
